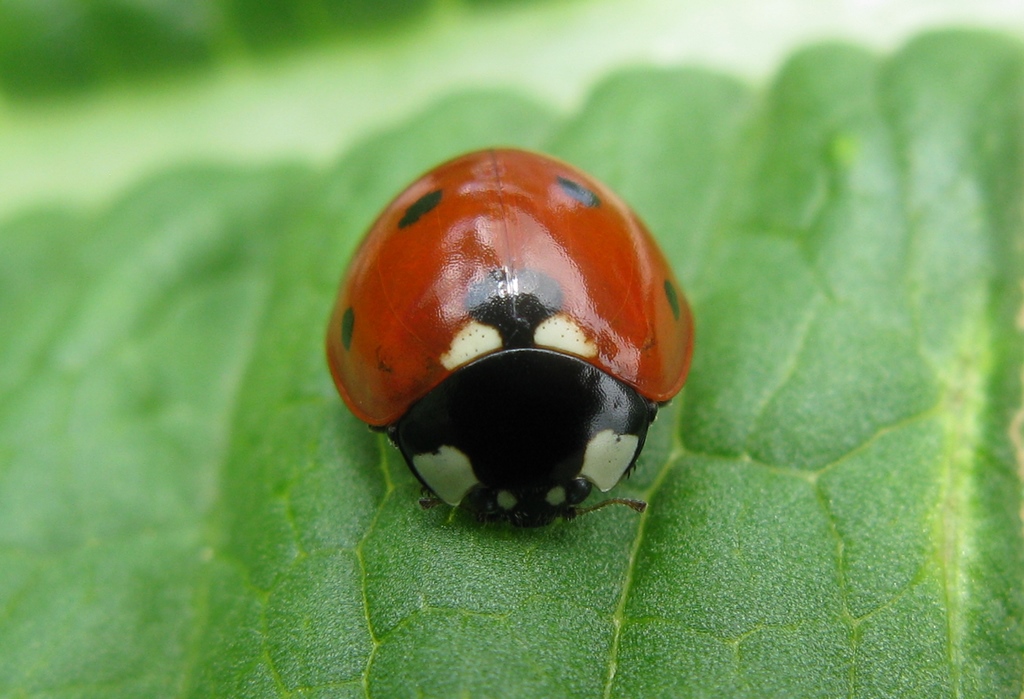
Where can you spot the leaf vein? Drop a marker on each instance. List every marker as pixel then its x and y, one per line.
pixel 389 488
pixel 619 616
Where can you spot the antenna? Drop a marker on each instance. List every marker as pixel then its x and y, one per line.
pixel 638 505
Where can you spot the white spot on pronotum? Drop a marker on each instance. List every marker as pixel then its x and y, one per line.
pixel 607 457
pixel 560 332
pixel 555 496
pixel 506 500
pixel 473 340
pixel 447 472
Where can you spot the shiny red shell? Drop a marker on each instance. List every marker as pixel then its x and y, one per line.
pixel 403 298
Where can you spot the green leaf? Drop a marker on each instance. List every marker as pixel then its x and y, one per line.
pixel 187 509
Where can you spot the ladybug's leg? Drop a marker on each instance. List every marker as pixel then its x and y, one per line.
pixel 390 430
pixel 653 406
pixel 429 500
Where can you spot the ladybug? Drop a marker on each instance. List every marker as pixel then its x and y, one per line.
pixel 513 327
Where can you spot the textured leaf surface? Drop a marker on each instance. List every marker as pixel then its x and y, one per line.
pixel 186 508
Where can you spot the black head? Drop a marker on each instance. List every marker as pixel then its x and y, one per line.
pixel 523 434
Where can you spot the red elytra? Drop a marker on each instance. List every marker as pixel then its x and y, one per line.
pixel 404 297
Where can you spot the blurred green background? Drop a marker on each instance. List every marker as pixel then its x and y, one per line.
pixel 96 93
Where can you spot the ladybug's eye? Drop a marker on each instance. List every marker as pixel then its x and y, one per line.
pixel 577 490
pixel 483 500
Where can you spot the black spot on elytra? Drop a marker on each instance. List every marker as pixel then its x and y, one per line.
pixel 419 207
pixel 673 298
pixel 514 302
pixel 579 192
pixel 348 321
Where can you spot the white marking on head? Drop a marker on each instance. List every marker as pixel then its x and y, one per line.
pixel 506 500
pixel 560 332
pixel 555 496
pixel 473 340
pixel 607 457
pixel 447 472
